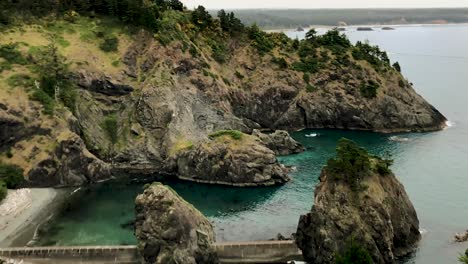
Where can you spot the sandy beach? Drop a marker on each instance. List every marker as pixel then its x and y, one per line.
pixel 22 211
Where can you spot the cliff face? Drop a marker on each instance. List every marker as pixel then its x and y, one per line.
pixel 169 230
pixel 378 216
pixel 139 107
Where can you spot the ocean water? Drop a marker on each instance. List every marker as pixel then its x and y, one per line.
pixel 432 166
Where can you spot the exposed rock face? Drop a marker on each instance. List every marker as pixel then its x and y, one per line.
pixel 280 142
pixel 380 218
pixel 71 164
pixel 170 230
pixel 245 162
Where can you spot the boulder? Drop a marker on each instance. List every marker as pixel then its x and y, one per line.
pixel 228 161
pixel 280 142
pixel 376 214
pixel 170 230
pixel 461 237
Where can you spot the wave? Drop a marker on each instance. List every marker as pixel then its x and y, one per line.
pixel 398 139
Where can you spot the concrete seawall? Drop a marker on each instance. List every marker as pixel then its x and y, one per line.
pixel 233 252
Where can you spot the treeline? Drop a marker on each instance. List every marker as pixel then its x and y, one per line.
pixel 292 18
pixel 137 12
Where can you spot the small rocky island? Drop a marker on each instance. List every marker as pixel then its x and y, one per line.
pixel 170 230
pixel 361 206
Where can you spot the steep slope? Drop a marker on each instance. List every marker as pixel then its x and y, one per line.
pixel 138 99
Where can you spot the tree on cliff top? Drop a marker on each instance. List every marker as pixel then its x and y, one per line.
pixel 353 163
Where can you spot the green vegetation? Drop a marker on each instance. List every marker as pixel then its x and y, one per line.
pixel 234 134
pixel 397 66
pixel 3 191
pixel 111 127
pixel 11 175
pixel 110 44
pixel 353 163
pixel 310 88
pixel 369 89
pixel 10 55
pixel 353 254
pixel 281 62
pixel 229 23
pixel 372 54
pixel 20 80
pixel 239 75
pixel 464 258
pixel 260 40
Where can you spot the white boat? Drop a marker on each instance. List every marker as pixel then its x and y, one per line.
pixel 312 135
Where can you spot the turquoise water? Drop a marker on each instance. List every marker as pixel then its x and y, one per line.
pixel 432 166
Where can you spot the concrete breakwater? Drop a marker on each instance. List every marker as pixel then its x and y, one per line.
pixel 232 252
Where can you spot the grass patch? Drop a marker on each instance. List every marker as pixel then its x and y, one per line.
pixel 20 80
pixel 234 134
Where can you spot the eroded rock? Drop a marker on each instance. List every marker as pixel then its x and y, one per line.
pixel 280 142
pixel 170 230
pixel 229 161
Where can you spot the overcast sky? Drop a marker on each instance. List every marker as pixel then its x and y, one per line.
pixel 238 4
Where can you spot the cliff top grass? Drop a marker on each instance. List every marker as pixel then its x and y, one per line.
pixel 353 164
pixel 233 134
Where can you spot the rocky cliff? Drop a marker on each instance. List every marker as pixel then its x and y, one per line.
pixel 372 210
pixel 170 230
pixel 136 108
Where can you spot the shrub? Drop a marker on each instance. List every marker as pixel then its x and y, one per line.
pixel 281 62
pixel 260 40
pixel 9 154
pixel 239 75
pixel 20 80
pixel 397 66
pixel 369 90
pixel 3 191
pixel 110 44
pixel 464 258
pixel 401 83
pixel 234 134
pixel 353 163
pixel 371 54
pixel 220 53
pixel 10 53
pixel 46 101
pixel 354 254
pixel 110 126
pixel 306 77
pixel 310 88
pixel 11 175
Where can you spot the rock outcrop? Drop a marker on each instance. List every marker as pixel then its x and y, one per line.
pixel 461 237
pixel 280 142
pixel 236 162
pixel 378 215
pixel 71 164
pixel 170 230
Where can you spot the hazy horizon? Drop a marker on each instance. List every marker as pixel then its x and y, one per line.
pixel 326 4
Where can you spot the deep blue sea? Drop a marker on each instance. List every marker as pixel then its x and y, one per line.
pixel 432 166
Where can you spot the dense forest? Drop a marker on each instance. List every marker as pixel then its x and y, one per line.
pixel 292 18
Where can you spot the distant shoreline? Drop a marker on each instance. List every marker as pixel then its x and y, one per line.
pixel 356 26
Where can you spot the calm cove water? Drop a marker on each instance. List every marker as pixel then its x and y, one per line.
pixel 432 166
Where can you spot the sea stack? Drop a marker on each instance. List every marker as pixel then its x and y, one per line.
pixel 358 202
pixel 170 230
